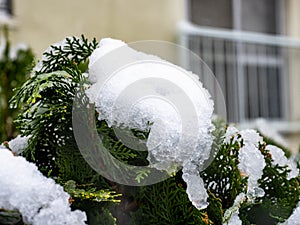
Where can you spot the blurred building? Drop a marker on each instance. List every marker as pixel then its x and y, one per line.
pixel 253 50
pixel 40 23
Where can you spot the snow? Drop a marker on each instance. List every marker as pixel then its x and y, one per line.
pixel 231 134
pixel 39 65
pixel 251 137
pixel 39 199
pixel 251 161
pixel 294 218
pixel 130 89
pixel 195 188
pixel 278 158
pixel 18 144
pixel 231 215
pixel 234 219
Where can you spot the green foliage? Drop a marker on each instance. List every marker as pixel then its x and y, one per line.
pixel 70 55
pixel 14 65
pixel 224 182
pixel 281 194
pixel 9 217
pixel 270 141
pixel 46 100
pixel 118 149
pixel 89 192
pixel 168 203
pixel 223 177
pixel 215 209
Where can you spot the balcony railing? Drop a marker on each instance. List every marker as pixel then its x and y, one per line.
pixel 251 68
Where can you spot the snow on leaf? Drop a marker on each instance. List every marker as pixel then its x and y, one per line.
pixel 252 163
pixel 231 215
pixel 231 133
pixel 251 137
pixel 278 158
pixel 180 133
pixel 294 218
pixel 18 144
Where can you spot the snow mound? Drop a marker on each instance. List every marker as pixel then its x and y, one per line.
pixel 134 90
pixel 39 199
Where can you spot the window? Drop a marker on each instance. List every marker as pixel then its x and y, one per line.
pixel 260 16
pixel 6 8
pixel 249 15
pixel 250 68
pixel 215 13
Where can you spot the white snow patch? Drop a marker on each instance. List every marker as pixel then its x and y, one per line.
pixel 195 188
pixel 131 88
pixel 231 134
pixel 251 160
pixel 252 163
pixel 39 199
pixel 18 144
pixel 280 159
pixel 251 137
pixel 294 219
pixel 231 215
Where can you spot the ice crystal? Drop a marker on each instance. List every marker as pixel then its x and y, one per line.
pixel 251 161
pixel 231 215
pixel 39 199
pixel 195 189
pixel 251 137
pixel 231 134
pixel 234 219
pixel 149 89
pixel 278 158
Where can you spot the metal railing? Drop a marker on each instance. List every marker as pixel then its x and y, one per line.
pixel 251 68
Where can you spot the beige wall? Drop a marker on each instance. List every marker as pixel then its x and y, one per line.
pixel 41 22
pixel 293 30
